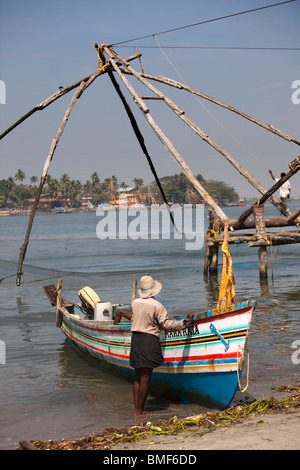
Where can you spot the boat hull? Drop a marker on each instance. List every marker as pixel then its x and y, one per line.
pixel 202 364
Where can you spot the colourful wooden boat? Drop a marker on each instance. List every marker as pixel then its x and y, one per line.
pixel 202 364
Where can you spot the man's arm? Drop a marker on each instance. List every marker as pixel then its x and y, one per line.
pixel 122 313
pixel 272 176
pixel 168 323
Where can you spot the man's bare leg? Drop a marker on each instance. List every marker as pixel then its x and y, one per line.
pixel 140 389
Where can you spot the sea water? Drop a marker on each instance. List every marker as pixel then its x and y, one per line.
pixel 49 391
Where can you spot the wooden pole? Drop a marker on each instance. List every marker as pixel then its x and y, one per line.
pixel 223 302
pixel 134 284
pixel 59 94
pixel 295 167
pixel 58 303
pixel 212 249
pixel 182 86
pixel 253 239
pixel 137 133
pixel 258 212
pixel 294 216
pixel 53 146
pixel 180 113
pixel 162 137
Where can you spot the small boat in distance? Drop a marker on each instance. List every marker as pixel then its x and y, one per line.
pixel 241 202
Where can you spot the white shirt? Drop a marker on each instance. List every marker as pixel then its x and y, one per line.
pixel 149 316
pixel 285 188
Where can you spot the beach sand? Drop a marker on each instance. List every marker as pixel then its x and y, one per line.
pixel 279 431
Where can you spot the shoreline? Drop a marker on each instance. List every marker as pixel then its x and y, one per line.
pixel 266 424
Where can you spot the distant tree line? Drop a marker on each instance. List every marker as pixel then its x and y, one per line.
pixel 14 193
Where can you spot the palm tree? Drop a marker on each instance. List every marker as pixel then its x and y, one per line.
pixel 95 179
pixel 10 183
pixel 33 179
pixel 123 185
pixel 114 181
pixel 65 185
pixel 138 182
pixel 20 175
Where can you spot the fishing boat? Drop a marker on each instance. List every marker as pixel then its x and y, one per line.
pixel 202 364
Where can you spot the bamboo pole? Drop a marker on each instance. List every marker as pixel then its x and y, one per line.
pixel 250 223
pixel 295 215
pixel 176 84
pixel 295 167
pixel 53 146
pixel 180 113
pixel 136 131
pixel 253 239
pixel 162 137
pixel 59 94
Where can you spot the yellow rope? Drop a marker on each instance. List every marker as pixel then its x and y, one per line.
pixel 264 238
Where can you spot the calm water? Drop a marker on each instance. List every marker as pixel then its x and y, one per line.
pixel 48 391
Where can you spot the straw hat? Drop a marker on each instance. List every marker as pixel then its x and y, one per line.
pixel 149 287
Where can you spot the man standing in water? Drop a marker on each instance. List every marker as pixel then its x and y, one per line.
pixel 285 191
pixel 148 317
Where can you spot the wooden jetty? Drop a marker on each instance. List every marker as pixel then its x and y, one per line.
pixel 260 238
pixel 111 63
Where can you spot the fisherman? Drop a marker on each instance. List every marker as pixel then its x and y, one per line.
pixel 285 192
pixel 148 317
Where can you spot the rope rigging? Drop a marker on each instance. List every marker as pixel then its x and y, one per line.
pixel 203 22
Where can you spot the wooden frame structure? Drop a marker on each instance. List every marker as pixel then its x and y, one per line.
pixel 110 62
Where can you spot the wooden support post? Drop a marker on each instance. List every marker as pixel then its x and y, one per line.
pixel 58 303
pixel 258 211
pixel 294 217
pixel 134 284
pixel 211 250
pixel 294 168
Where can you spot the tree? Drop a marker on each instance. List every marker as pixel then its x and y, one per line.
pixel 123 185
pixel 65 184
pixel 138 182
pixel 20 175
pixel 95 180
pixel 33 179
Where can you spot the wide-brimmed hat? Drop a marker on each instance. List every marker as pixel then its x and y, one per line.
pixel 149 287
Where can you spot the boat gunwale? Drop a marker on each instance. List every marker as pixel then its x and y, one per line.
pixel 126 326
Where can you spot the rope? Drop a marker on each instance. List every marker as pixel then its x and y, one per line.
pixel 237 371
pixel 170 263
pixel 205 21
pixel 264 238
pixel 212 116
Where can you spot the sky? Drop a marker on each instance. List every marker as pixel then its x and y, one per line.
pixel 47 44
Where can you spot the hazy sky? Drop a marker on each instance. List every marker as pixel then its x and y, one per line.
pixel 47 44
